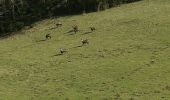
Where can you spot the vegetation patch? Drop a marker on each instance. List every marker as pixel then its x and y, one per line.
pixel 121 53
pixel 15 14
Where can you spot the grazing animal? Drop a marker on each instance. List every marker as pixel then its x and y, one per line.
pixel 48 36
pixel 75 28
pixel 59 24
pixel 62 51
pixel 84 41
pixel 92 29
pixel 30 26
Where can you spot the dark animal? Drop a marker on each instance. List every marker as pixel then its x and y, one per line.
pixel 62 51
pixel 59 24
pixel 30 26
pixel 75 28
pixel 92 29
pixel 84 41
pixel 48 36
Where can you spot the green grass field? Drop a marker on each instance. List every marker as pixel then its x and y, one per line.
pixel 128 57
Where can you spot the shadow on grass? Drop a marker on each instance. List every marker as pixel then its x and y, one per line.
pixel 87 33
pixel 70 31
pixel 57 55
pixel 79 46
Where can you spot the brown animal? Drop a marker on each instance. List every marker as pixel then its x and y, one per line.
pixel 92 29
pixel 62 51
pixel 30 26
pixel 48 36
pixel 84 41
pixel 59 24
pixel 75 28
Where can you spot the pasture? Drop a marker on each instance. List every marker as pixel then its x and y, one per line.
pixel 127 58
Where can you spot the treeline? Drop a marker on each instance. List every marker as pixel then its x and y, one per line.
pixel 14 14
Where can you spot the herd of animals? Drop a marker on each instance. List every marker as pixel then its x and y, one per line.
pixel 75 29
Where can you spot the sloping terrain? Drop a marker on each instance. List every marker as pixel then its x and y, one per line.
pixel 128 57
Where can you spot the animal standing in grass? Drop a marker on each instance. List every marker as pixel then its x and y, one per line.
pixel 48 36
pixel 59 24
pixel 84 41
pixel 75 28
pixel 62 51
pixel 92 29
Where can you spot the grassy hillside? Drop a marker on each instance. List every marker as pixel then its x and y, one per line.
pixel 128 57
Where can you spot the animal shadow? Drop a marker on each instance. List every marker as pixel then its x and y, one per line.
pixel 87 33
pixel 79 46
pixel 71 31
pixel 58 54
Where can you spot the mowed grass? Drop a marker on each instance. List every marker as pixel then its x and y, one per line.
pixel 128 57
